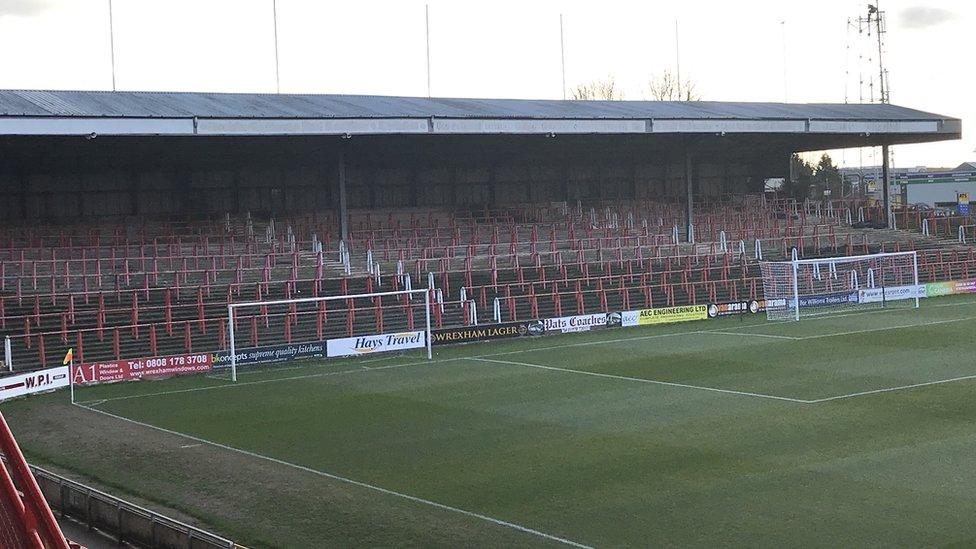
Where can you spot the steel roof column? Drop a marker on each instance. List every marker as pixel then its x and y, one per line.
pixel 689 198
pixel 343 213
pixel 886 181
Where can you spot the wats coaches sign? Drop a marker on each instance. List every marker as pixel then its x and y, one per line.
pixel 361 345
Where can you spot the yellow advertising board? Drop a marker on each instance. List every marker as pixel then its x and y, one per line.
pixel 665 315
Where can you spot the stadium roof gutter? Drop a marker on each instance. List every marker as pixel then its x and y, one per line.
pixel 39 113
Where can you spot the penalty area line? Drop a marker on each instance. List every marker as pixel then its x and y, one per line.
pixel 892 389
pixel 837 334
pixel 885 328
pixel 359 483
pixel 643 380
pixel 751 334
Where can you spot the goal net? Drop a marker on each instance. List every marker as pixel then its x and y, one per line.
pixel 805 287
pixel 343 326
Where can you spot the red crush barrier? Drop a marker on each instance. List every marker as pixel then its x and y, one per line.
pixel 221 336
pixel 378 304
pixel 350 316
pixel 80 346
pixel 135 315
pixel 187 337
pixel 200 311
pixel 40 349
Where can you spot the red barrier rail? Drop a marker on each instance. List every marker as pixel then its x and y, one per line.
pixel 25 520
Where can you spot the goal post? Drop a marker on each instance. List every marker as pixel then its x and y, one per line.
pixel 806 287
pixel 327 327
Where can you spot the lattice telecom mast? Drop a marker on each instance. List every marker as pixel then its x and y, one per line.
pixel 874 22
pixel 868 43
pixel 878 17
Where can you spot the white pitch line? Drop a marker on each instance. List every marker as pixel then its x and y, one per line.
pixel 353 482
pixel 832 316
pixel 519 351
pixel 891 389
pixel 642 380
pixel 869 330
pixel 262 381
pixel 588 343
pixel 751 334
pixel 839 334
pixel 377 368
pixel 226 377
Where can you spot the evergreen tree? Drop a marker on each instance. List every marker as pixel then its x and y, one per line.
pixel 827 176
pixel 801 172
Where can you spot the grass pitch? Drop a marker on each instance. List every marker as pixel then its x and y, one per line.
pixel 853 430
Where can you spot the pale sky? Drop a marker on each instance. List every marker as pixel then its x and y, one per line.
pixel 733 51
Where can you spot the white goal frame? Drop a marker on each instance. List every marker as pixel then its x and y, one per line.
pixel 232 306
pixel 796 263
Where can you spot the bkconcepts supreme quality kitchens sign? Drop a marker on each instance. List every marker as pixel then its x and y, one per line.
pixel 361 345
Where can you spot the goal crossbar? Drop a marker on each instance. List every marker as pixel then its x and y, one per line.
pixel 846 258
pixel 232 307
pixel 322 298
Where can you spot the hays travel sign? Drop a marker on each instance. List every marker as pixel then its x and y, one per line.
pixel 361 345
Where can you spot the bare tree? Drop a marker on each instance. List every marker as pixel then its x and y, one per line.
pixel 666 87
pixel 605 89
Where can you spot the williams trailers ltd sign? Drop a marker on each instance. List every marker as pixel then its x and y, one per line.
pixel 361 345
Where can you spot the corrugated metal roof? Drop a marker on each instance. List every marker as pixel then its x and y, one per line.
pixel 126 104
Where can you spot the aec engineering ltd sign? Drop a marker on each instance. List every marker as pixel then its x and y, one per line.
pixel 361 345
pixel 664 315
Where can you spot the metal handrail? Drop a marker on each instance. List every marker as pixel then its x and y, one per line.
pixel 192 532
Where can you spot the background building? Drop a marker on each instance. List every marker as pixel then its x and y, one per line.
pixel 938 187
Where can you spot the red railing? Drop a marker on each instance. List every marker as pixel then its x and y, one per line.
pixel 25 518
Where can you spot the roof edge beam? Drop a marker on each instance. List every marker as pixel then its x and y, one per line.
pixel 311 126
pixel 95 126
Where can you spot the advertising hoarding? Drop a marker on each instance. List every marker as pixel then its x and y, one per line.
pixel 33 382
pixel 367 344
pixel 664 315
pixel 125 370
